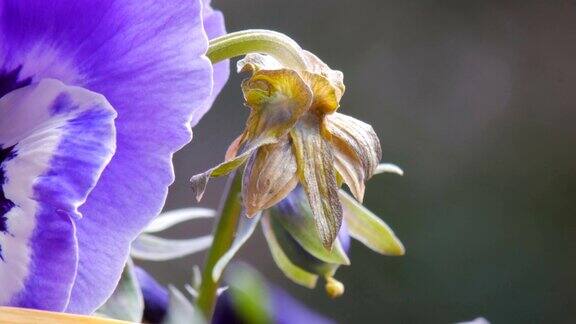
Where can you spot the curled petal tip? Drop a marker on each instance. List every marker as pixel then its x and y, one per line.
pixel 389 168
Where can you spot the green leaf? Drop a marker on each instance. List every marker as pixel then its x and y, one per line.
pixel 298 220
pixel 177 216
pixel 367 228
pixel 153 248
pixel 250 296
pixel 180 310
pixel 126 303
pixel 298 255
pixel 292 271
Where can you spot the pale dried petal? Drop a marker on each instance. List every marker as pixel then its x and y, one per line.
pixel 232 150
pixel 315 161
pixel 270 175
pixel 277 99
pixel 335 77
pixel 254 62
pixel 352 136
pixel 351 171
pixel 200 181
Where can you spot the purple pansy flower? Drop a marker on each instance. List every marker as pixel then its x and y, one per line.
pixel 95 97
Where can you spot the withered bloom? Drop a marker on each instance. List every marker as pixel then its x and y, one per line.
pixel 294 135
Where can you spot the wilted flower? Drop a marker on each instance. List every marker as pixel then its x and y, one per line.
pixel 77 185
pixel 295 136
pixel 296 248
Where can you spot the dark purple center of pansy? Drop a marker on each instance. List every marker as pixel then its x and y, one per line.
pixel 9 80
pixel 5 203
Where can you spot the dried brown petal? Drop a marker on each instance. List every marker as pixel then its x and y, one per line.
pixel 315 162
pixel 350 135
pixel 270 175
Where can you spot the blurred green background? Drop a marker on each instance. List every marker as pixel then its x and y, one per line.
pixel 476 100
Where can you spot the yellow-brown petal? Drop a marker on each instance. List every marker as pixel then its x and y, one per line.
pixel 335 77
pixel 232 150
pixel 350 169
pixel 315 161
pixel 326 99
pixel 277 98
pixel 270 175
pixel 352 136
pixel 200 181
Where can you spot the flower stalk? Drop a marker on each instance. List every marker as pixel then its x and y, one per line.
pixel 223 236
pixel 284 49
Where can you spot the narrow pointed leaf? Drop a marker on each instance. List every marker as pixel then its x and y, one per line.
pixel 369 229
pixel 153 248
pixel 177 216
pixel 290 270
pixel 298 255
pixel 315 161
pixel 126 303
pixel 245 229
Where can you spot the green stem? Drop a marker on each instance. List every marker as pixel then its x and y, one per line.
pixel 223 237
pixel 281 47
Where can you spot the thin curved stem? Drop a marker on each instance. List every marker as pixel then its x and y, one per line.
pixel 223 236
pixel 283 48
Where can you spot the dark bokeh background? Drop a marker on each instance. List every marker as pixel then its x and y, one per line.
pixel 476 100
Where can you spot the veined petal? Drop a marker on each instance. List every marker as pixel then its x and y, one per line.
pixel 55 141
pixel 270 176
pixel 147 58
pixel 367 228
pixel 200 181
pixel 335 77
pixel 213 21
pixel 357 149
pixel 278 98
pixel 315 162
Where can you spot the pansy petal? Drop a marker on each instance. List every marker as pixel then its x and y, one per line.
pixel 290 270
pixel 147 58
pixel 270 176
pixel 315 161
pixel 55 141
pixel 369 229
pixel 352 136
pixel 214 26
